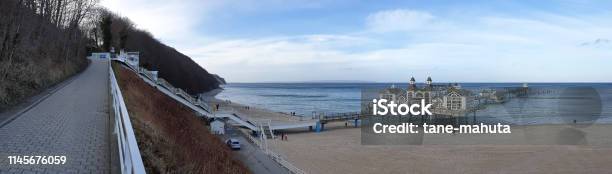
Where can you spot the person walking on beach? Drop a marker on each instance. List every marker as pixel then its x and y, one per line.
pixel 283 136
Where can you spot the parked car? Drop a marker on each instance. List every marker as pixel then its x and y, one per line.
pixel 233 143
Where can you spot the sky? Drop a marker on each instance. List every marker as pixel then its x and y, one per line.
pixel 385 41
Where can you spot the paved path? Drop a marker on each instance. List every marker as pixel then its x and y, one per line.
pixel 73 122
pixel 253 157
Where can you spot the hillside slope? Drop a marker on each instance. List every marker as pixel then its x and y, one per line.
pixel 175 67
pixel 170 136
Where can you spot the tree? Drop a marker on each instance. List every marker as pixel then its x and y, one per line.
pixel 105 26
pixel 42 42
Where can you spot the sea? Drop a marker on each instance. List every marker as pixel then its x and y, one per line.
pixel 547 103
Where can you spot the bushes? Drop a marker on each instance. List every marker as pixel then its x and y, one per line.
pixel 170 136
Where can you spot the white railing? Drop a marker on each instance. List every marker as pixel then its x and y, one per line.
pixel 275 156
pixel 185 95
pixel 148 74
pixel 285 163
pixel 144 73
pixel 129 154
pixel 165 84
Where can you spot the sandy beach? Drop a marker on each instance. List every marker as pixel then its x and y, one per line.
pixel 254 113
pixel 338 149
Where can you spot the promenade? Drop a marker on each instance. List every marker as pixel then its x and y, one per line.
pixel 72 122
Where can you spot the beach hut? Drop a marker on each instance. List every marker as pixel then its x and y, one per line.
pixel 133 59
pixel 217 127
pixel 130 58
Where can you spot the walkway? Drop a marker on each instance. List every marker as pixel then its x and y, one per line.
pixel 253 157
pixel 71 122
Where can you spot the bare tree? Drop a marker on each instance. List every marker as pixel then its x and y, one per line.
pixel 41 43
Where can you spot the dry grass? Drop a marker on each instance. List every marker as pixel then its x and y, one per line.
pixel 23 79
pixel 170 136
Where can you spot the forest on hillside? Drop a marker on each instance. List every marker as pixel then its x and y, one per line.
pixel 42 42
pixel 178 69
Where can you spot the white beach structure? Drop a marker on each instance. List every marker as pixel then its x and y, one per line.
pixel 100 55
pixel 446 100
pixel 130 58
pixel 154 75
pixel 217 127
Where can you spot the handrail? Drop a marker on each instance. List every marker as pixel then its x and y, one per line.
pixel 129 154
pixel 146 74
pixel 275 156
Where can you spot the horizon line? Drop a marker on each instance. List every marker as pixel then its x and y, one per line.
pixel 409 82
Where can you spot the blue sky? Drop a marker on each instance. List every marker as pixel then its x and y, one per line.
pixel 385 41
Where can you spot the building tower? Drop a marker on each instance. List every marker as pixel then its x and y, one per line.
pixel 428 81
pixel 412 85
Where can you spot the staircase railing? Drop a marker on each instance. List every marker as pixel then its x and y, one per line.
pixel 270 128
pixel 262 143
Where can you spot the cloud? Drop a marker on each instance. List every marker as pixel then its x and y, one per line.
pixel 390 45
pixel 487 48
pixel 398 20
pixel 171 21
pixel 597 43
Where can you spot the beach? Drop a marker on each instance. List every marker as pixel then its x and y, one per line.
pixel 338 149
pixel 254 113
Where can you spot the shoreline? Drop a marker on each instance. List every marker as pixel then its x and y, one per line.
pixel 253 112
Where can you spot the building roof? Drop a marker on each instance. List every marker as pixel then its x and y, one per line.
pixel 461 92
pixel 394 91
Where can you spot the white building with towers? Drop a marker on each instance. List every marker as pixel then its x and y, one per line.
pixel 444 98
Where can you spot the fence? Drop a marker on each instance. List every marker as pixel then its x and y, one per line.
pixel 275 156
pixel 180 92
pixel 149 74
pixel 129 154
